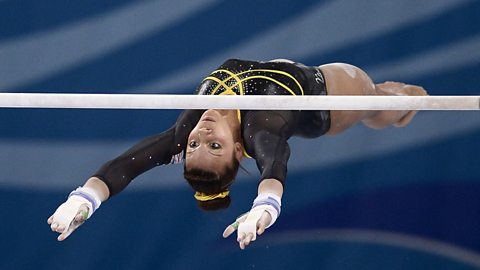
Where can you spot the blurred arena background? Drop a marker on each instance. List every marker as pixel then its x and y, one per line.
pixel 392 199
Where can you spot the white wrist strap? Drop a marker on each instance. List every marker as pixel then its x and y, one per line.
pixel 88 194
pixel 69 209
pixel 66 212
pixel 90 197
pixel 271 203
pixel 268 202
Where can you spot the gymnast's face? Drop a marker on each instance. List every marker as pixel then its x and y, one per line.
pixel 212 142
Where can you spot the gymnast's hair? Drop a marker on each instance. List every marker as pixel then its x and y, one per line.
pixel 211 183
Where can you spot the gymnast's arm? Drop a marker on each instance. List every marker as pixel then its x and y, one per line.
pixel 153 151
pixel 116 174
pixel 266 142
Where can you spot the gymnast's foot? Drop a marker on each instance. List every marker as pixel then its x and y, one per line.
pixel 408 90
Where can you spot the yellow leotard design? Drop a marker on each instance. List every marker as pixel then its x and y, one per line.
pixel 234 82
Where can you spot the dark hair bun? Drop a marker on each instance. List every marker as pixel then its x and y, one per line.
pixel 215 204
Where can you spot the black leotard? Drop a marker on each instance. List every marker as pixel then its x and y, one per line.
pixel 264 133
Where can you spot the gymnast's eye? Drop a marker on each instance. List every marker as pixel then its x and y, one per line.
pixel 193 144
pixel 215 146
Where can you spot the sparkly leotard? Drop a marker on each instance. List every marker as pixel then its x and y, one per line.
pixel 264 133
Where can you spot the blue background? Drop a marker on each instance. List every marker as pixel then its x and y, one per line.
pixel 392 199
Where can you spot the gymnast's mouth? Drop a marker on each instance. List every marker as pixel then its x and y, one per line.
pixel 208 119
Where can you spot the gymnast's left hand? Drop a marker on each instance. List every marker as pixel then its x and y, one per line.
pixel 249 225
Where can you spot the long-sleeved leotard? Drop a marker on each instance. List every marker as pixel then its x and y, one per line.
pixel 264 133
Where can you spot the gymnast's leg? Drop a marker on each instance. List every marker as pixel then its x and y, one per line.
pixel 397 118
pixel 345 79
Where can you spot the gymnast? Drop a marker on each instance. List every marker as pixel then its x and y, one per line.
pixel 211 143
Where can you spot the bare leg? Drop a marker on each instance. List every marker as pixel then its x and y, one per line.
pixel 344 79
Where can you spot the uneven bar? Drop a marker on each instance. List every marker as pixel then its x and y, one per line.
pixel 252 102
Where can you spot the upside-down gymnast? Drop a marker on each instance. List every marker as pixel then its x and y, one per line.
pixel 213 142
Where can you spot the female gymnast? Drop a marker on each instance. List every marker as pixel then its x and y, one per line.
pixel 213 142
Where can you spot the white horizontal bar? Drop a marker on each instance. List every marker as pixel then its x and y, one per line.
pixel 253 102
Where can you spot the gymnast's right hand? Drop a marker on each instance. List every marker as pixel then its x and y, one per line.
pixel 80 205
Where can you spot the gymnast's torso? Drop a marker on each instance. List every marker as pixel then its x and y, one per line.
pixel 277 77
pixel 264 133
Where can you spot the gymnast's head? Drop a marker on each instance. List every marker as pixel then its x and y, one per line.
pixel 212 159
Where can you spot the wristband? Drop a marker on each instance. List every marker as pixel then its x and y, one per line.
pixel 271 203
pixel 265 202
pixel 66 212
pixel 90 196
